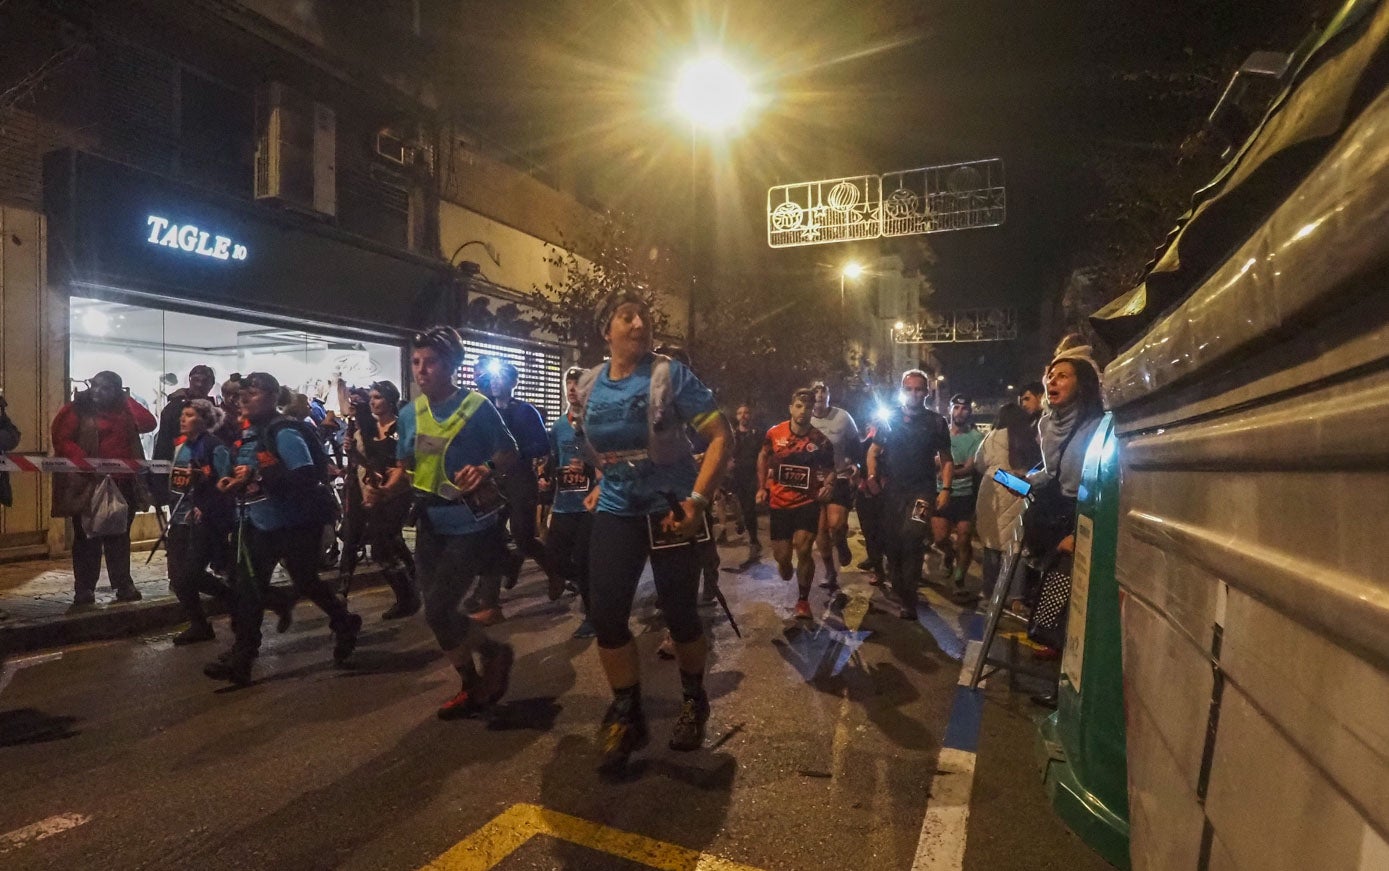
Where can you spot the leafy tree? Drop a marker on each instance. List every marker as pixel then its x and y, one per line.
pixel 613 260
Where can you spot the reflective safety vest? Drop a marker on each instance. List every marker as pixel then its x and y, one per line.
pixel 432 439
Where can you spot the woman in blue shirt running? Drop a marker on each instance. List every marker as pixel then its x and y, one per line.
pixel 647 510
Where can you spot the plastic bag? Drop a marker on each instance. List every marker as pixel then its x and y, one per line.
pixel 109 512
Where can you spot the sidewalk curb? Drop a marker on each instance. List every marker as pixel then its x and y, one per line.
pixel 122 621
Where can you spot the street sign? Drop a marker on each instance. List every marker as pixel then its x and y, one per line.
pixel 930 199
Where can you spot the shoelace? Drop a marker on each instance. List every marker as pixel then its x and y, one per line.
pixel 617 731
pixel 689 715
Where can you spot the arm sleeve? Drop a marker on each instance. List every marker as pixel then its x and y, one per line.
pixel 989 458
pixel 221 461
pixel 293 450
pixel 405 434
pixel 144 421
pixel 532 439
pixel 64 434
pixel 693 401
pixel 497 438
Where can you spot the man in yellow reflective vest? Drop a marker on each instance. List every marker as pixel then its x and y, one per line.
pixel 452 442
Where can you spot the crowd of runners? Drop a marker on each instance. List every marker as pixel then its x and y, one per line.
pixel 631 474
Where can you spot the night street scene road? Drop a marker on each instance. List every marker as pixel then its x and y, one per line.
pixel 700 436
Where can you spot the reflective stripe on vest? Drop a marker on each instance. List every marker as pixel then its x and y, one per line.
pixel 432 440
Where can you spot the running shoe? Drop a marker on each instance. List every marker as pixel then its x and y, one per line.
pixel 621 735
pixel 194 634
pixel 497 659
pixel 284 610
pixel 554 585
pixel 460 707
pixel 347 638
pixel 803 610
pixel 866 566
pixel 235 667
pixel 402 608
pixel 488 616
pixel 585 630
pixel 688 733
pixel 842 548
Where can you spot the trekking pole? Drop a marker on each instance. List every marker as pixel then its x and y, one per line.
pixel 163 528
pixel 679 512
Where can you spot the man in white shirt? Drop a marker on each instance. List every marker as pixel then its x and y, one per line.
pixel 838 426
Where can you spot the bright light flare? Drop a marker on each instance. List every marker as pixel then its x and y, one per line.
pixel 711 93
pixel 853 270
pixel 882 414
pixel 899 326
pixel 96 323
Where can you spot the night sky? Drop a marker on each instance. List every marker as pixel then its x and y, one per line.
pixel 1075 97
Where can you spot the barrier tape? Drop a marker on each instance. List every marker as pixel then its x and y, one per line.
pixel 93 465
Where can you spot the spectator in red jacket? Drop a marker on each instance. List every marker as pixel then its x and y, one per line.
pixel 101 422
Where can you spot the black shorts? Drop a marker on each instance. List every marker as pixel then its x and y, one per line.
pixel 841 493
pixel 786 522
pixel 959 510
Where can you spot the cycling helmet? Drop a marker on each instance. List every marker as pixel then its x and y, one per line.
pixel 444 340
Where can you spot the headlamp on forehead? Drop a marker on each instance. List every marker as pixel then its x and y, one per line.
pixel 494 367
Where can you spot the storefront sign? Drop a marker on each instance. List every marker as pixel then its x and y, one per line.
pixel 190 239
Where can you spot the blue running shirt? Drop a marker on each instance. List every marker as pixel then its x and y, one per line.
pixel 615 420
pixel 564 444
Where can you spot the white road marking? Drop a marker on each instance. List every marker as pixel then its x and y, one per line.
pixel 941 846
pixel 942 843
pixel 8 670
pixel 11 841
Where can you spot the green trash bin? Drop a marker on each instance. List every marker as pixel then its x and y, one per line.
pixel 1082 743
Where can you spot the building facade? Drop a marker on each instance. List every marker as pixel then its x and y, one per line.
pixel 252 185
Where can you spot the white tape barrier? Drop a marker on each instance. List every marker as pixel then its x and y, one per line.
pixel 42 463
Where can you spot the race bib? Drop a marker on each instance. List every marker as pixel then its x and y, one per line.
pixel 573 480
pixel 181 479
pixel 795 477
pixel 662 540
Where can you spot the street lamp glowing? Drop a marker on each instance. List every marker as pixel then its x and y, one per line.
pixel 853 270
pixel 711 93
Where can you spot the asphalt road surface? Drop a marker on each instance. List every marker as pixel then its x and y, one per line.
pixel 820 752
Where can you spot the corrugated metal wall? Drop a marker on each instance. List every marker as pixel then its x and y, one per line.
pixel 1255 509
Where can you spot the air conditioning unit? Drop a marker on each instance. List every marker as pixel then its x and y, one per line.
pixel 296 150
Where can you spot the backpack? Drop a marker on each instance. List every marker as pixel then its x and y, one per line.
pixel 320 503
pixel 666 438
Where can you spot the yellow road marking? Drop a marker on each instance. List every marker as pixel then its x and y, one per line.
pixel 505 834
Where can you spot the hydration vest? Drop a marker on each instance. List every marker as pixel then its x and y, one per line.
pixel 666 439
pixel 432 439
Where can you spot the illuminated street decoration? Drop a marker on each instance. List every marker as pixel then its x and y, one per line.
pixel 932 199
pixel 964 325
pixel 836 210
pixel 192 240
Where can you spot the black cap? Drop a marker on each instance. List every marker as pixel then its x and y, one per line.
pixel 961 399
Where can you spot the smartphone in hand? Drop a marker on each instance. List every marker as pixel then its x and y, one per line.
pixel 1015 485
